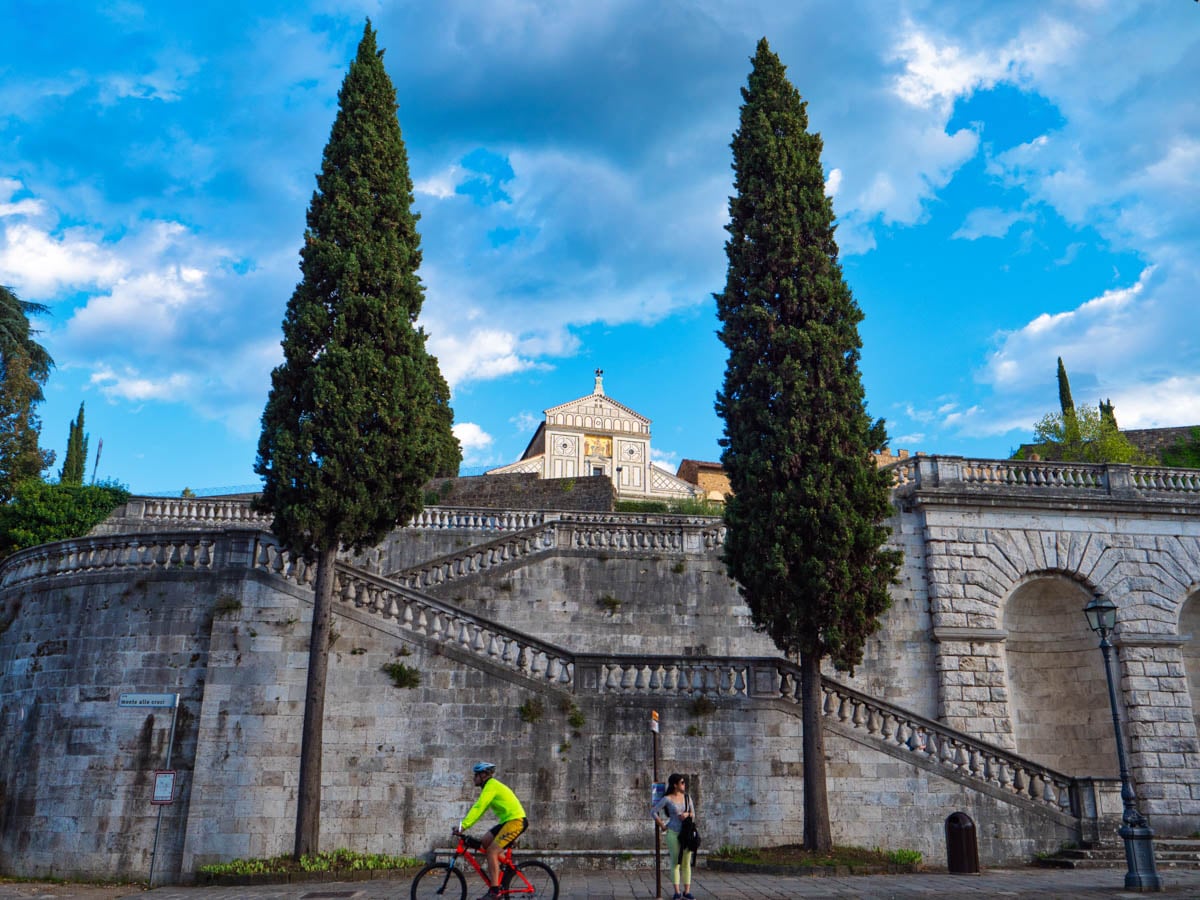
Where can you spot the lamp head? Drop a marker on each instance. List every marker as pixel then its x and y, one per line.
pixel 1101 614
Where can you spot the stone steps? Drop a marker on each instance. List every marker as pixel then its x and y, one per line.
pixel 1169 853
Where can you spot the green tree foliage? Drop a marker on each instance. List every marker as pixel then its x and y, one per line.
pixel 1070 420
pixel 1108 414
pixel 806 534
pixel 358 417
pixel 24 367
pixel 39 512
pixel 77 448
pixel 1184 453
pixel 1088 436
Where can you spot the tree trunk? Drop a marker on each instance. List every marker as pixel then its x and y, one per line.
pixel 308 799
pixel 817 835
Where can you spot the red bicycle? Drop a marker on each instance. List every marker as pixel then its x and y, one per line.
pixel 529 877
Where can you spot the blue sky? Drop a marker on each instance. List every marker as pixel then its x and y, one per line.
pixel 1014 182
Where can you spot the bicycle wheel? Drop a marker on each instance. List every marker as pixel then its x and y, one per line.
pixel 439 880
pixel 532 878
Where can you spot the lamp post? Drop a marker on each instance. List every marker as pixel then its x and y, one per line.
pixel 1141 874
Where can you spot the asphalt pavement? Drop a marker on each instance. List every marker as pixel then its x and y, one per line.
pixel 1067 884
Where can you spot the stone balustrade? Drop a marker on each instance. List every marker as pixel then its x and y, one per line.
pixel 900 731
pixel 164 551
pixel 422 615
pixel 566 533
pixel 1147 483
pixel 238 512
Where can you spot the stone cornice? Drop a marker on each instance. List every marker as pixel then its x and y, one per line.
pixel 944 634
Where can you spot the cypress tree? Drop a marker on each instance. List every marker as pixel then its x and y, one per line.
pixel 24 369
pixel 805 534
pixel 1070 418
pixel 358 417
pixel 77 448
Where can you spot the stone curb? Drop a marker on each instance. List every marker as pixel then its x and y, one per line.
pixel 741 868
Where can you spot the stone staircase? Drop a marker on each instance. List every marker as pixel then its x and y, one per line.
pixel 1169 853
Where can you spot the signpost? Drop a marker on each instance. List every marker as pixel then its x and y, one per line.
pixel 657 796
pixel 164 779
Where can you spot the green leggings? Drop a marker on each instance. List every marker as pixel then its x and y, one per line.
pixel 681 871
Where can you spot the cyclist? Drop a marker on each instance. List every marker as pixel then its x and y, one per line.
pixel 499 798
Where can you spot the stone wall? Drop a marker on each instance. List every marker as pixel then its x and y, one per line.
pixel 395 759
pixel 524 491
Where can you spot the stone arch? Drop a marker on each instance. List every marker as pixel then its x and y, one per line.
pixel 1189 628
pixel 1058 693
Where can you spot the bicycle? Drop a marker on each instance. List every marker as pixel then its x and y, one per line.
pixel 532 878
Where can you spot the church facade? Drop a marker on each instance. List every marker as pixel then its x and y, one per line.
pixel 596 435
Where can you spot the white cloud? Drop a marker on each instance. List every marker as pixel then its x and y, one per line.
pixel 989 221
pixel 476 443
pixel 1109 327
pixel 130 384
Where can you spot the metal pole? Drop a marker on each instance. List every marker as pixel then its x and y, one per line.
pixel 1141 874
pixel 158 824
pixel 657 833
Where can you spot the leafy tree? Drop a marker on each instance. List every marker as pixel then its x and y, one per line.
pixel 358 416
pixel 24 367
pixel 1070 421
pixel 77 448
pixel 1087 437
pixel 806 538
pixel 1184 453
pixel 41 512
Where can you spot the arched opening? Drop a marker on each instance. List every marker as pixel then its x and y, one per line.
pixel 1058 693
pixel 1189 627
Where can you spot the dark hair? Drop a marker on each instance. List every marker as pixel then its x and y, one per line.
pixel 673 780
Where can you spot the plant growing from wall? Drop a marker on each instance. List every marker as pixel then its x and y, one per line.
pixel 402 676
pixel 608 603
pixel 531 710
pixel 358 416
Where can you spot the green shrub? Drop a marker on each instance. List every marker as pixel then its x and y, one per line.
pixel 904 857
pixel 340 860
pixel 40 512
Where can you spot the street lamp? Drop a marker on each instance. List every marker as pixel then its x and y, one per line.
pixel 1141 874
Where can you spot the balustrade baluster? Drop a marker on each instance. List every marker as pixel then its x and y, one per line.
pixel 739 682
pixel 639 683
pixel 612 681
pixel 843 712
pixel 916 740
pixel 1019 781
pixel 627 678
pixel 857 718
pixel 657 682
pixel 464 633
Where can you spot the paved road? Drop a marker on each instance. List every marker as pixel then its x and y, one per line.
pixel 627 885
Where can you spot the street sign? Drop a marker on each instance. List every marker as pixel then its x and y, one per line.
pixel 164 787
pixel 654 720
pixel 154 701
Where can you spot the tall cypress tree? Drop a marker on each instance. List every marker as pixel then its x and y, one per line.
pixel 358 417
pixel 1070 417
pixel 77 448
pixel 24 369
pixel 805 540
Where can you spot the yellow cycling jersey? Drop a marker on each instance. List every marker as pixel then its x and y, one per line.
pixel 500 799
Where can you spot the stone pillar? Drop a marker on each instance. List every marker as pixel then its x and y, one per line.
pixel 1164 752
pixel 972 687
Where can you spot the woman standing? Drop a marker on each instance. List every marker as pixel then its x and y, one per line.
pixel 678 807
